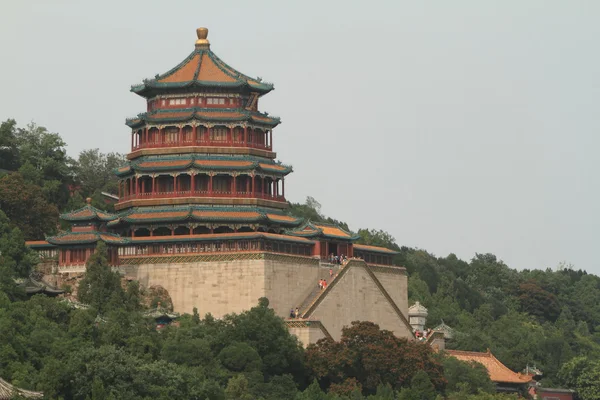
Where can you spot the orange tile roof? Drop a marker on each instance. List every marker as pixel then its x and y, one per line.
pixel 124 169
pixel 84 212
pixel 35 242
pixel 210 72
pixel 498 372
pixel 332 230
pixel 157 215
pixel 111 239
pixel 374 248
pixel 272 166
pixel 224 163
pixel 278 217
pixel 185 73
pixel 225 214
pixel 162 115
pixel 75 237
pixel 171 163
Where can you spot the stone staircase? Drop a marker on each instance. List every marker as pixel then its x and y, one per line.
pixel 317 291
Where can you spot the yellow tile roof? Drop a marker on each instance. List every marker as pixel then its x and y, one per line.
pixel 498 372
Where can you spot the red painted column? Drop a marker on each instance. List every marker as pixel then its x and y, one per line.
pixel 245 135
pixel 210 185
pixel 175 183
pixel 194 134
pixel 153 185
pixel 208 139
pixel 247 184
pixel 143 186
pixel 271 139
pixel 253 184
pixel 180 136
pixel 262 189
pixel 132 133
pixel 159 136
pixel 233 186
pixel 317 249
pixel 283 187
pixel 230 136
pixel 193 181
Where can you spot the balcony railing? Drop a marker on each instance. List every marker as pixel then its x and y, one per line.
pixel 202 193
pixel 201 143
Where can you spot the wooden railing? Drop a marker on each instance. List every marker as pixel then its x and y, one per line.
pixel 202 193
pixel 201 143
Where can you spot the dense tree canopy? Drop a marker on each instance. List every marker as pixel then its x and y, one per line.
pixel 547 318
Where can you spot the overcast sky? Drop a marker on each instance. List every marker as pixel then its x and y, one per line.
pixel 459 127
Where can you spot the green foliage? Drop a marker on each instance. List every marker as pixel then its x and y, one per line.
pixel 101 287
pixel 583 375
pixel 380 238
pixel 467 378
pixel 311 211
pixel 95 171
pixel 26 207
pixel 9 150
pixel 371 356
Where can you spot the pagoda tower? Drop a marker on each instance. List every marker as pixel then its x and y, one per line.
pixel 202 213
pixel 202 159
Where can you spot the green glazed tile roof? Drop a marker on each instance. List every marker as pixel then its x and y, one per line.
pixel 202 114
pixel 203 163
pixel 87 213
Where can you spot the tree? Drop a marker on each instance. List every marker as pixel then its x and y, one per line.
pixel 467 378
pixel 26 207
pixel 371 356
pixel 421 388
pixel 46 153
pixel 94 171
pixel 261 329
pixel 16 259
pixel 583 375
pixel 101 287
pixel 538 302
pixel 373 237
pixel 9 151
pixel 237 389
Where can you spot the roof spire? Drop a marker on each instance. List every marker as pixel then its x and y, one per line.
pixel 202 42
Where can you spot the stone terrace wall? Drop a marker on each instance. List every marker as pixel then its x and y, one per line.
pixel 356 297
pixel 218 287
pixel 395 282
pixel 221 286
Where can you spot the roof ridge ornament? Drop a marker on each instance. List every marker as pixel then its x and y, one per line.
pixel 202 42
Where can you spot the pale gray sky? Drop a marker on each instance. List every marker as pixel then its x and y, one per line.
pixel 463 126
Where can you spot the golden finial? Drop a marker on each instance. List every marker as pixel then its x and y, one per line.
pixel 202 34
pixel 88 200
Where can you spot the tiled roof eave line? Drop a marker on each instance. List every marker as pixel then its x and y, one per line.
pixel 219 63
pixel 197 72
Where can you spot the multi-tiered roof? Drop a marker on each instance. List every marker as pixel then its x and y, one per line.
pixel 202 154
pixel 201 177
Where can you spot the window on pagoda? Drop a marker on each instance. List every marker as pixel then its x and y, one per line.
pixel 222 184
pixel 238 135
pixel 177 102
pixel 218 134
pixel 187 134
pixel 171 135
pixel 215 100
